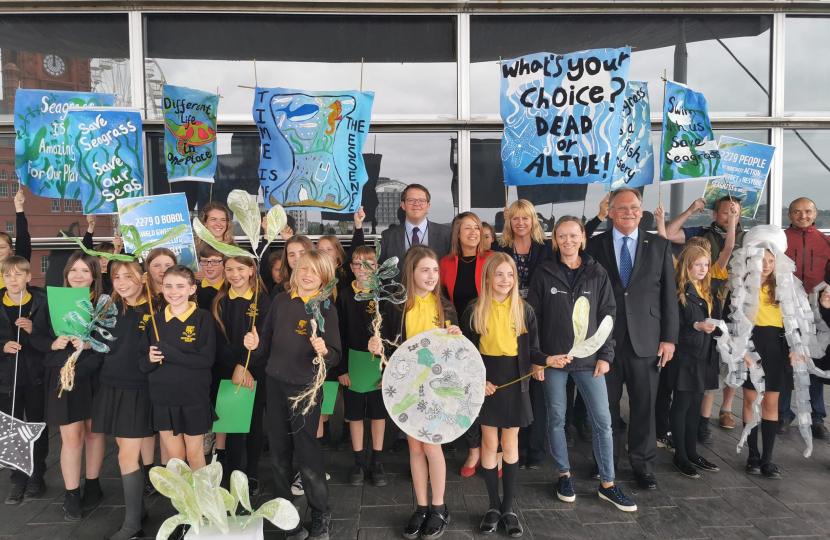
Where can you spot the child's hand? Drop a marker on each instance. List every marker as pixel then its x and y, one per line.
pixel 60 343
pixel 251 340
pixel 705 327
pixel 319 345
pixel 490 389
pixel 796 357
pixel 747 361
pixel 155 354
pixel 247 380
pixel 118 243
pixel 11 347
pixel 345 380
pixel 660 213
pixel 453 330
pixel 359 218
pixel 24 323
pixel 199 276
pixel 286 233
pixel 77 343
pixel 19 199
pixel 375 346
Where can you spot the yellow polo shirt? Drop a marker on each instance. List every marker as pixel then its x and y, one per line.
pixel 423 316
pixel 768 313
pixel 500 339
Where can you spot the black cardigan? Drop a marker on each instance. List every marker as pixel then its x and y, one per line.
pixel 538 253
pixel 393 328
pixel 8 332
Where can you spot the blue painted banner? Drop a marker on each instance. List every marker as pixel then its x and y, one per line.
pixel 155 215
pixel 746 166
pixel 689 149
pixel 312 146
pixel 110 149
pixel 635 154
pixel 44 155
pixel 562 115
pixel 190 134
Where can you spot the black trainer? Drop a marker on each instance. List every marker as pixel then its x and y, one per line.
pixel 72 507
pixel 704 432
pixel 565 489
pixel 15 495
pixel 490 522
pixel 149 488
pixel 770 470
pixel 92 495
pixel 568 439
pixel 436 524
pixel 704 464
pixel 356 476
pixel 686 469
pixel 320 527
pixel 34 489
pixel 615 496
pixel 415 526
pixel 376 475
pixel 254 489
pixel 753 467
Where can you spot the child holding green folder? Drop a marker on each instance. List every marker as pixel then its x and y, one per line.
pixel 360 372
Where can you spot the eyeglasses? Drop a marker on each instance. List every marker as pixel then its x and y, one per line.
pixel 357 265
pixel 627 208
pixel 209 263
pixel 418 202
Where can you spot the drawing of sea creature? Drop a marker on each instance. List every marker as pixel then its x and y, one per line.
pixel 449 380
pixel 425 357
pixel 334 116
pixel 300 114
pixel 193 133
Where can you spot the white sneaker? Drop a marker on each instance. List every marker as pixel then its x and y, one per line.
pixel 297 486
pixel 209 443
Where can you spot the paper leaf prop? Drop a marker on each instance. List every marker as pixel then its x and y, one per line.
pixel 319 302
pixel 239 487
pixel 208 496
pixel 246 211
pixel 225 249
pixel 132 235
pixel 580 319
pixel 101 317
pixel 169 526
pixel 276 221
pixel 93 253
pixel 586 347
pixel 17 442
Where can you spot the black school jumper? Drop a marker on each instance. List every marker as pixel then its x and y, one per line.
pixel 290 369
pixel 29 393
pixel 122 405
pixel 180 383
pixel 237 314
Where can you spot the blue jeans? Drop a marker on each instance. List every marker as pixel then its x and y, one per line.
pixel 819 413
pixel 595 394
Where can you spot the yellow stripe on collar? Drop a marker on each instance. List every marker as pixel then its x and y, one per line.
pixel 216 286
pixel 357 289
pixel 183 317
pixel 7 301
pixel 247 296
pixel 305 299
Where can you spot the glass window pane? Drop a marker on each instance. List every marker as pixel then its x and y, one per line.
pixel 807 171
pixel 82 53
pixel 729 88
pixel 807 66
pixel 409 61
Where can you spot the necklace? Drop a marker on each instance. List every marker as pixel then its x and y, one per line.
pixel 467 259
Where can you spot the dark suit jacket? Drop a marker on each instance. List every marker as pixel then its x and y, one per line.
pixel 393 242
pixel 650 300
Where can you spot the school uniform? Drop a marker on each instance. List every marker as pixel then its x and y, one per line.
pixel 122 405
pixel 771 345
pixel 205 293
pixel 180 384
pixel 421 317
pixel 290 368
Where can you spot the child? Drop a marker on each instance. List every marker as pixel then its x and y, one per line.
pixel 122 405
pixel 291 350
pixel 295 247
pixel 179 364
pixel 234 310
pixel 212 263
pixel 156 264
pixel 424 309
pixel 488 235
pixel 694 367
pixel 116 246
pixel 72 411
pixel 20 307
pixel 503 327
pixel 24 240
pixel 356 317
pixel 275 266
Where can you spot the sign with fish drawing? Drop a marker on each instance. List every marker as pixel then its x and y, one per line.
pixel 433 386
pixel 190 134
pixel 311 153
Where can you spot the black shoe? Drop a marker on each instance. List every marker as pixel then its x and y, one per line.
pixel 820 432
pixel 595 472
pixel 436 524
pixel 376 475
pixel 72 507
pixel 753 467
pixel 783 427
pixel 568 439
pixel 92 496
pixel 448 447
pixel 534 465
pixel 583 429
pixel 398 446
pixel 325 440
pixel 522 464
pixel 512 525
pixel 490 522
pixel 647 481
pixel 704 464
pixel 320 527
pixel 704 433
pixel 149 488
pixel 770 470
pixel 254 489
pixel 345 439
pixel 356 476
pixel 666 442
pixel 686 469
pixel 34 489
pixel 415 526
pixel 623 425
pixel 16 494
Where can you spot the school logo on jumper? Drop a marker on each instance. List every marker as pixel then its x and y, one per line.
pixel 370 308
pixel 435 320
pixel 252 310
pixel 189 334
pixel 301 328
pixel 142 325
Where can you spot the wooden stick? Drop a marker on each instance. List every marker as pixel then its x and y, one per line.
pixel 243 86
pixel 525 377
pixel 150 303
pixel 256 80
pixel 253 323
pixel 361 74
pixel 660 180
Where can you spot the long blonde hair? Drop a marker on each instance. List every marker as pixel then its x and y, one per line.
pixel 320 262
pixel 524 208
pixel 455 249
pixel 414 256
pixel 685 261
pixel 483 304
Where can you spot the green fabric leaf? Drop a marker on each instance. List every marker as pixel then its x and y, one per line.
pixel 276 221
pixel 279 512
pixel 209 497
pixel 132 206
pixel 229 500
pixel 169 526
pixel 225 249
pixel 593 343
pixel 173 482
pixel 246 211
pixel 582 310
pixel 178 466
pixel 239 487
pixel 93 253
pixel 167 483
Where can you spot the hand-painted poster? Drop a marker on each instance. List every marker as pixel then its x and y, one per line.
pixel 746 166
pixel 190 134
pixel 690 151
pixel 433 386
pixel 311 148
pixel 561 116
pixel 44 153
pixel 635 154
pixel 155 216
pixel 110 149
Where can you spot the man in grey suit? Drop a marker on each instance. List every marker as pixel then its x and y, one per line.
pixel 417 229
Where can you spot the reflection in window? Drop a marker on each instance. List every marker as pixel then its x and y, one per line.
pixel 807 171
pixel 807 66
pixel 409 61
pixel 67 205
pixel 4 190
pixel 4 175
pixel 44 264
pixel 56 205
pixel 729 86
pixel 10 226
pixel 15 188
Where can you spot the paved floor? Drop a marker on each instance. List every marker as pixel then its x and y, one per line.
pixel 723 505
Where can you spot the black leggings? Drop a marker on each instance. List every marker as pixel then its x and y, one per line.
pixel 247 445
pixel 684 418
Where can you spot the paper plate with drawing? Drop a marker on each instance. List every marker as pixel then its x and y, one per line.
pixel 312 142
pixel 433 386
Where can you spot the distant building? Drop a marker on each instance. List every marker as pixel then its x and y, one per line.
pixel 389 201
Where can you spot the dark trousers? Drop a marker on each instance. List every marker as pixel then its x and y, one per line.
pixel 639 374
pixel 288 431
pixel 576 413
pixel 247 446
pixel 818 413
pixel 532 439
pixel 31 402
pixel 473 435
pixel 685 419
pixel 662 405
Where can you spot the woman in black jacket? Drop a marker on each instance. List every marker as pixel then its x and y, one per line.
pixel 565 276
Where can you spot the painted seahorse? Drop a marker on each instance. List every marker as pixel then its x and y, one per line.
pixel 334 116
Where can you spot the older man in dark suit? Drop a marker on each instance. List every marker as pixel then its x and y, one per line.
pixel 639 265
pixel 416 229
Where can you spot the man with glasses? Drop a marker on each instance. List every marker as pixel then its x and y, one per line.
pixel 810 249
pixel 639 265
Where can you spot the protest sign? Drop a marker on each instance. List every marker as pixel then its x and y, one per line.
pixel 44 153
pixel 311 148
pixel 746 166
pixel 561 116
pixel 233 408
pixel 153 217
pixel 190 134
pixel 635 154
pixel 690 151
